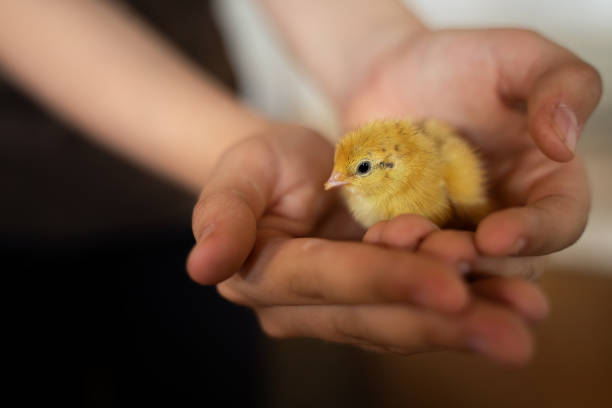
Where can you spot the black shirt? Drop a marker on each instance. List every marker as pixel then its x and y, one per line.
pixel 98 247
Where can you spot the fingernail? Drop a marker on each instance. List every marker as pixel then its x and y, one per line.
pixel 566 126
pixel 206 232
pixel 518 246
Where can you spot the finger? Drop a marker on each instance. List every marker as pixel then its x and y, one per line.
pixel 553 217
pixel 374 234
pixel 485 328
pixel 560 89
pixel 405 231
pixel 315 271
pixel 456 247
pixel 524 267
pixel 526 230
pixel 225 217
pixel 524 297
pixel 560 104
pixel 536 229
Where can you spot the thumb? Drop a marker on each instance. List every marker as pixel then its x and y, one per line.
pixel 561 92
pixel 225 217
pixel 560 104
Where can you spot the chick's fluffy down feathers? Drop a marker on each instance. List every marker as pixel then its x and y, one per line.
pixel 393 167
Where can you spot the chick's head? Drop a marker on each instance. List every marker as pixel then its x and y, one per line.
pixel 377 159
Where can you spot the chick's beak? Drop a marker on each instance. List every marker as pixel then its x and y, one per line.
pixel 335 180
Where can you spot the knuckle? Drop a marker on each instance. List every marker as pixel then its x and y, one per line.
pixel 304 285
pixel 308 285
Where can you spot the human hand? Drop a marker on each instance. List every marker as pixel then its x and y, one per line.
pixel 267 234
pixel 521 100
pixel 488 291
pixel 492 278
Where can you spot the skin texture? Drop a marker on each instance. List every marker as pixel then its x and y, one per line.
pixel 266 231
pixel 506 108
pixel 303 273
pixel 495 106
pixel 151 105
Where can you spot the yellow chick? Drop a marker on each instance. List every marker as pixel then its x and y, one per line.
pixel 393 167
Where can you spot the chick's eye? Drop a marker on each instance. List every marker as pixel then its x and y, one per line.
pixel 364 167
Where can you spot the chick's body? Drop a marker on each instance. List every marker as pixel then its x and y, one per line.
pixel 393 167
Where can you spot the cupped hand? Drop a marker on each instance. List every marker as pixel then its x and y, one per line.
pixel 522 101
pixel 272 239
pixel 499 279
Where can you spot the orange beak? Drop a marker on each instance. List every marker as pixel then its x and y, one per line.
pixel 335 180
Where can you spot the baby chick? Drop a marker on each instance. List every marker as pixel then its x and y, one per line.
pixel 393 167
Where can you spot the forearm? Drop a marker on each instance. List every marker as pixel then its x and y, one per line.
pixel 110 75
pixel 341 41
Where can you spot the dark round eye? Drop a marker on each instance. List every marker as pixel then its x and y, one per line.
pixel 364 167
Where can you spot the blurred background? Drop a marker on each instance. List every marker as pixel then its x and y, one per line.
pixel 100 246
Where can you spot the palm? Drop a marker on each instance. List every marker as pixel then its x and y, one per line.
pixel 459 77
pixel 264 210
pixel 268 210
pixel 301 205
pixel 450 75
